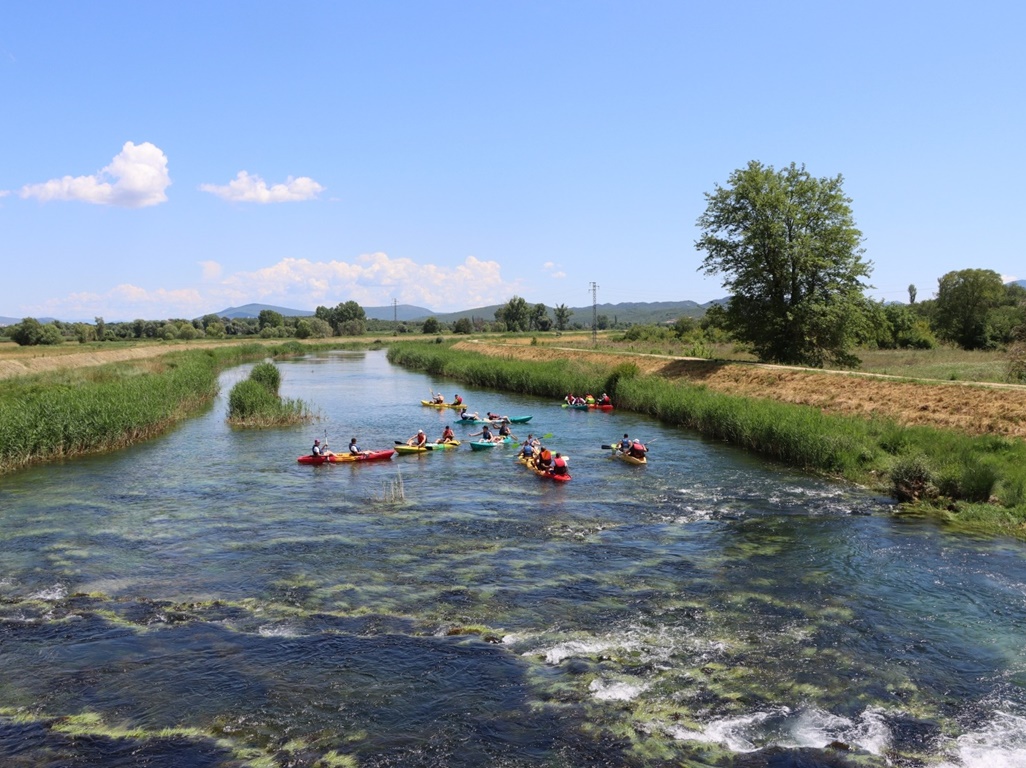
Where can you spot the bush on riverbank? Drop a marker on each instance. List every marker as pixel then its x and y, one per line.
pixel 966 478
pixel 106 407
pixel 255 402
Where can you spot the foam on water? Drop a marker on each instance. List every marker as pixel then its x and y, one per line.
pixel 51 594
pixel 1001 743
pixel 616 690
pixel 784 727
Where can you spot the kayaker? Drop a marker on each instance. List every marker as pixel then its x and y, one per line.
pixel 589 399
pixel 560 465
pixel 504 431
pixel 625 444
pixel 544 459
pixel 497 417
pixel 447 435
pixel 486 434
pixel 418 440
pixel 439 399
pixel 637 450
pixel 527 451
pixel 354 449
pixel 605 400
pixel 468 416
pixel 457 400
pixel 320 449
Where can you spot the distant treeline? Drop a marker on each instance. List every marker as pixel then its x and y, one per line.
pixel 973 310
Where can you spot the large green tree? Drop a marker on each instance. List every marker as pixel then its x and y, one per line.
pixel 515 314
pixel 563 314
pixel 791 257
pixel 965 298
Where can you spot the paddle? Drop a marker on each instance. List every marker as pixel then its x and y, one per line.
pixel 546 436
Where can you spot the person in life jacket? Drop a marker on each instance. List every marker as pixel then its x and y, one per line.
pixel 486 434
pixel 589 399
pixel 467 416
pixel 527 451
pixel 447 435
pixel 320 449
pixel 605 400
pixel 504 431
pixel 560 465
pixel 354 449
pixel 544 459
pixel 625 444
pixel 439 399
pixel 418 440
pixel 457 400
pixel 637 449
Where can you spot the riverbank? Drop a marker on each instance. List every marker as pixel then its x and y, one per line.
pixel 83 403
pixel 948 450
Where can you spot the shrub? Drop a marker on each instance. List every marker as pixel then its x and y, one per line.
pixel 268 376
pixel 912 479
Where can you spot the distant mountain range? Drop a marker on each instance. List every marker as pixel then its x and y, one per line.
pixel 628 312
pixel 633 312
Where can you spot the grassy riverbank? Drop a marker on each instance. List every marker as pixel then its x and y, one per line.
pixel 971 481
pixel 73 411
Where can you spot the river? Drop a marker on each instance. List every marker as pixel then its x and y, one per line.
pixel 204 600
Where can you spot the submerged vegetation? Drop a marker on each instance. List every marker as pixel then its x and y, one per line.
pixel 106 407
pixel 976 482
pixel 256 402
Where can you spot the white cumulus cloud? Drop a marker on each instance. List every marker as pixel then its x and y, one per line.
pixel 554 270
pixel 252 189
pixel 373 279
pixel 211 269
pixel 135 178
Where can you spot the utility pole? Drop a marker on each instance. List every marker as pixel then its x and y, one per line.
pixel 395 311
pixel 594 313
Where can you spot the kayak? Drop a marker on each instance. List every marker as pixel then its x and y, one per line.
pixel 587 406
pixel 433 404
pixel 344 458
pixel 497 422
pixel 618 454
pixel 483 445
pixel 544 473
pixel 426 448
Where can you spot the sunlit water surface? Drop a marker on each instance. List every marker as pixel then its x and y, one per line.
pixel 204 600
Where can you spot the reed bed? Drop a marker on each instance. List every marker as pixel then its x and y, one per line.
pixel 107 407
pixel 256 403
pixel 965 478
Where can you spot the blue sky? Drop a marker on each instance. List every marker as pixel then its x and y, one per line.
pixel 173 159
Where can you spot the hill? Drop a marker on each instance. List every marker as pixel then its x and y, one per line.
pixel 398 312
pixel 637 313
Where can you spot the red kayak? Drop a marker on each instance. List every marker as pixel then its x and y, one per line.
pixel 345 458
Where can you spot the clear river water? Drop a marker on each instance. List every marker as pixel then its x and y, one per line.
pixel 204 600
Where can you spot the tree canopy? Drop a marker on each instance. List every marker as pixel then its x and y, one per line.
pixel 791 257
pixel 964 301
